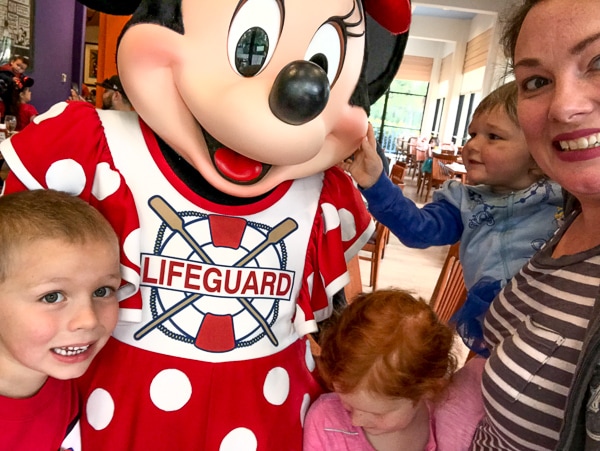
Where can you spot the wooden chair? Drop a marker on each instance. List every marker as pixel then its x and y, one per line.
pixel 354 287
pixel 397 174
pixel 375 248
pixel 412 154
pixel 438 175
pixel 450 291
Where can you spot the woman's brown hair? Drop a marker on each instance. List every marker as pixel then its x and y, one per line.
pixel 512 27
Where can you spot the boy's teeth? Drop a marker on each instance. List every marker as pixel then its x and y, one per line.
pixel 581 143
pixel 70 350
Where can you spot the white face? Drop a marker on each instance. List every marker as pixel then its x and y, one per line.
pixel 557 68
pixel 58 307
pixel 378 414
pixel 496 153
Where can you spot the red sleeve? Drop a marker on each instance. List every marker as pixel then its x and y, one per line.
pixel 26 112
pixel 341 228
pixel 65 149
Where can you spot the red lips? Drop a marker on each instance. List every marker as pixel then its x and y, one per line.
pixel 235 166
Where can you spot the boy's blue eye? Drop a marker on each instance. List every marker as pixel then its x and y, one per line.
pixel 103 292
pixel 53 298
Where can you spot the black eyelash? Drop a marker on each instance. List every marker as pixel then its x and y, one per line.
pixel 347 25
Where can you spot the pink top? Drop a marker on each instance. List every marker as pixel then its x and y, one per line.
pixel 328 425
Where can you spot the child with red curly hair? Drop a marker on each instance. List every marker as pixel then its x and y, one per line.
pixel 389 363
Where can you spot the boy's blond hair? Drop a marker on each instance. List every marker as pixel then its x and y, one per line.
pixel 503 97
pixel 28 216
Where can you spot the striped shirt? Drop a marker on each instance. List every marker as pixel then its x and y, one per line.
pixel 536 327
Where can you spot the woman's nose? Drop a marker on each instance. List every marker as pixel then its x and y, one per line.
pixel 569 100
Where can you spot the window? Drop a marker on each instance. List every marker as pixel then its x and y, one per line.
pixel 437 117
pixel 463 118
pixel 399 113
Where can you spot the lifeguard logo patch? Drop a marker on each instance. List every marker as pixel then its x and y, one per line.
pixel 216 281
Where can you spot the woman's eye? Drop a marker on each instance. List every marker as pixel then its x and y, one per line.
pixel 535 83
pixel 595 64
pixel 53 298
pixel 494 137
pixel 103 292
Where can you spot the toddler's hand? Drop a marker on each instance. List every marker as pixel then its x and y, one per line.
pixel 365 165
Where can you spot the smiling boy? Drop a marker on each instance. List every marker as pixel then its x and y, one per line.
pixel 59 276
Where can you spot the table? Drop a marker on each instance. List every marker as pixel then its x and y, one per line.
pixel 458 170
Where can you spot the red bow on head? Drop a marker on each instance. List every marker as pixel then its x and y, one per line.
pixel 393 15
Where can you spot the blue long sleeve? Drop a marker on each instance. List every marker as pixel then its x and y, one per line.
pixel 436 224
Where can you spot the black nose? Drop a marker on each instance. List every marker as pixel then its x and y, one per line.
pixel 300 92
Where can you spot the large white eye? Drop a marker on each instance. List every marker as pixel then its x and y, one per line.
pixel 253 36
pixel 325 50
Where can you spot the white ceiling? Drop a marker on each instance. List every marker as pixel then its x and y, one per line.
pixel 458 9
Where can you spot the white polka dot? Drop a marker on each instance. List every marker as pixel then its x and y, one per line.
pixel 240 439
pixel 66 175
pixel 106 181
pixel 330 216
pixel 304 407
pixel 348 224
pixel 100 409
pixel 310 361
pixel 170 390
pixel 131 246
pixel 277 386
pixel 54 111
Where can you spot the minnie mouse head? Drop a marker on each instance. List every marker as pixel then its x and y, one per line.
pixel 252 93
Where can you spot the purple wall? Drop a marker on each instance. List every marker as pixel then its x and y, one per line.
pixel 57 49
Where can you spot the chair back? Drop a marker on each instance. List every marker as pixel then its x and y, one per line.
pixel 354 287
pixel 412 145
pixel 375 248
pixel 439 171
pixel 397 174
pixel 450 291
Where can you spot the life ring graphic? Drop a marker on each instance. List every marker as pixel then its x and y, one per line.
pixel 213 322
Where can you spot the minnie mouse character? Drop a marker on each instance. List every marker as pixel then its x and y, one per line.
pixel 234 222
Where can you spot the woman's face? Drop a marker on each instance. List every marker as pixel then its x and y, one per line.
pixel 557 68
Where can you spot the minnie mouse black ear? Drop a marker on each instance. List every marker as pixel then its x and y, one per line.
pixel 384 52
pixel 393 15
pixel 115 7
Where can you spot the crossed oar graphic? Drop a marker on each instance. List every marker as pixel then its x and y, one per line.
pixel 170 217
